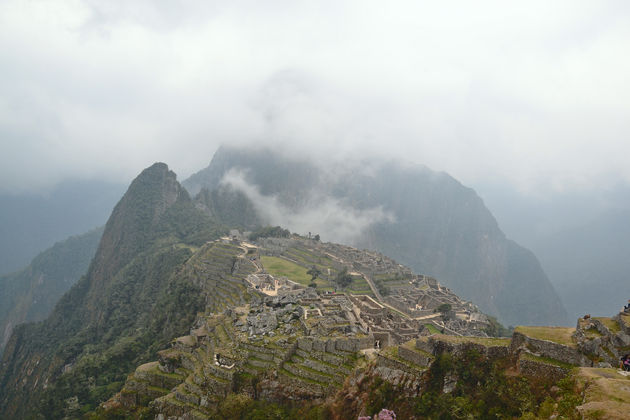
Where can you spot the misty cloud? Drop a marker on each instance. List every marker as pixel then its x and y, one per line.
pixel 532 94
pixel 325 216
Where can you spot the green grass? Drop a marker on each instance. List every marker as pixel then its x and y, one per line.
pixel 560 335
pixel 592 333
pixel 432 328
pixel 280 267
pixel 359 286
pixel 392 354
pixel 484 341
pixel 302 257
pixel 547 361
pixel 611 324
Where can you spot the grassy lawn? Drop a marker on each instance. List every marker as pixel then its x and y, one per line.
pixel 323 263
pixel 281 267
pixel 607 395
pixel 560 335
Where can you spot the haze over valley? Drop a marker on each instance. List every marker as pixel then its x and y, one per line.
pixel 386 173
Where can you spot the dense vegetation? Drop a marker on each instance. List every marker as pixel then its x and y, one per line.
pixel 129 305
pixel 269 232
pixel 31 293
pixel 480 389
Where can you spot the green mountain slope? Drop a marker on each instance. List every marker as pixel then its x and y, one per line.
pixel 424 219
pixel 31 293
pixel 129 304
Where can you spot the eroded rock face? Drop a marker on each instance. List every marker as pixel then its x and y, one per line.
pixel 601 339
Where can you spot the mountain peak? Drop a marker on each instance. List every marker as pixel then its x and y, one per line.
pixel 128 229
pixel 425 219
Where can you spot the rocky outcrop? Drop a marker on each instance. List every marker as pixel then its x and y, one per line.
pixel 566 353
pixel 603 340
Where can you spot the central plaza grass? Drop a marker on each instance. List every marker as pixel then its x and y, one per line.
pixel 280 267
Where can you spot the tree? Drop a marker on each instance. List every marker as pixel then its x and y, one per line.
pixel 314 272
pixel 444 308
pixel 343 278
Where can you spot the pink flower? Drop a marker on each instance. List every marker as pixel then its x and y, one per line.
pixel 386 414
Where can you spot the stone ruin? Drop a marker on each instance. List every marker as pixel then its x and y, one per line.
pixel 416 296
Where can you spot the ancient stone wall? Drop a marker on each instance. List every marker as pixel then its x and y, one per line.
pixel 534 369
pixel 561 352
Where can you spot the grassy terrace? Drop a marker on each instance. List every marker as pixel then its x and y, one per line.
pixel 560 335
pixel 432 328
pixel 392 354
pixel 359 286
pixel 625 318
pixel 281 267
pixel 308 259
pixel 546 360
pixel 411 345
pixel 484 341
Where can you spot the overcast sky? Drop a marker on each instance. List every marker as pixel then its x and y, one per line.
pixel 532 94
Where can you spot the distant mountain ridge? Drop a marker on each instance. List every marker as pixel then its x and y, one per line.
pixel 424 219
pixel 589 264
pixel 30 294
pixel 32 223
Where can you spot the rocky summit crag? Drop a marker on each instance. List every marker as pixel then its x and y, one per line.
pixel 424 219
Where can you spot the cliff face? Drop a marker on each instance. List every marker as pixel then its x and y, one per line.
pixel 130 302
pixel 428 221
pixel 30 294
pixel 130 225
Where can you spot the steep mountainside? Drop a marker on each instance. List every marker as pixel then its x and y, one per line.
pixel 424 219
pixel 30 223
pixel 129 304
pixel 589 264
pixel 30 294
